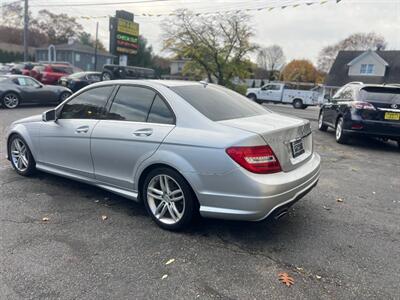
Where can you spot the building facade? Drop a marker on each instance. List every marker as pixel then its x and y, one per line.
pixel 77 54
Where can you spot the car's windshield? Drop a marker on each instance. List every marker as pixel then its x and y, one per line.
pixel 387 95
pixel 218 103
pixel 77 75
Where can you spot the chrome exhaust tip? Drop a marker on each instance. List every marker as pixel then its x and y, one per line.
pixel 281 214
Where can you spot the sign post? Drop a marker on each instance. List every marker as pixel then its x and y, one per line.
pixel 124 36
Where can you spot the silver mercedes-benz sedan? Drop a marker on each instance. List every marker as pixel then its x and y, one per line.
pixel 182 148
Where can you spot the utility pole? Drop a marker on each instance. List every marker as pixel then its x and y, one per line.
pixel 96 46
pixel 26 21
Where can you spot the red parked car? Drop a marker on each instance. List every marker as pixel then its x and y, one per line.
pixel 51 73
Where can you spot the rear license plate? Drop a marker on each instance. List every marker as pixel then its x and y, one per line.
pixel 392 116
pixel 297 148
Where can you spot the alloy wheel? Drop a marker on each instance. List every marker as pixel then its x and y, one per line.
pixel 106 77
pixel 19 155
pixel 64 96
pixel 10 101
pixel 166 199
pixel 339 128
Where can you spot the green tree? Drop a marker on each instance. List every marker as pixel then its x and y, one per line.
pixel 218 45
pixel 58 27
pixel 86 38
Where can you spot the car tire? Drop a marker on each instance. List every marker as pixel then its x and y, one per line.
pixel 21 156
pixel 63 96
pixel 107 75
pixel 161 189
pixel 10 100
pixel 254 98
pixel 298 104
pixel 321 125
pixel 340 136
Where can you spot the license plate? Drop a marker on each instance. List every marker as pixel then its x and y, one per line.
pixel 297 148
pixel 392 116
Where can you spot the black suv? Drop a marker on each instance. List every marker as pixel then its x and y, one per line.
pixel 367 109
pixel 111 72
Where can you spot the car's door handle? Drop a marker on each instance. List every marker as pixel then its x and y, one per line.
pixel 143 132
pixel 82 129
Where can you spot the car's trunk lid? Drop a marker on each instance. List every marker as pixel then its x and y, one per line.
pixel 281 133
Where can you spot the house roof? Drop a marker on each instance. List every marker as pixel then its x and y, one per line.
pixel 338 75
pixel 78 47
pixel 366 53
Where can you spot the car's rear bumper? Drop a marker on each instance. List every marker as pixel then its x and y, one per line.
pixel 374 128
pixel 241 195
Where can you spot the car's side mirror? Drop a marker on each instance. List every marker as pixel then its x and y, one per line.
pixel 49 115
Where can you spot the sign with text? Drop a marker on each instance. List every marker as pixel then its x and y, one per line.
pixel 124 34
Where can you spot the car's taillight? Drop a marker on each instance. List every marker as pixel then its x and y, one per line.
pixel 257 159
pixel 362 105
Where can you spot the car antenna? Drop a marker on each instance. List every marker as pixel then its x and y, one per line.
pixel 204 83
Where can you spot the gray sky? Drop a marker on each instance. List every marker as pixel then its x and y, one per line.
pixel 302 31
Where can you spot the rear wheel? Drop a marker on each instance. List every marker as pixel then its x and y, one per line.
pixel 321 125
pixel 298 104
pixel 254 98
pixel 169 199
pixel 21 156
pixel 63 96
pixel 340 135
pixel 10 100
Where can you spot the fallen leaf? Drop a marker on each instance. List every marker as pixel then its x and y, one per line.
pixel 104 218
pixel 286 279
pixel 45 219
pixel 318 277
pixel 354 169
pixel 170 261
pixel 339 200
pixel 326 207
pixel 299 269
pixel 164 276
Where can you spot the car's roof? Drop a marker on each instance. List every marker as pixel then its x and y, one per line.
pixel 166 83
pixel 364 85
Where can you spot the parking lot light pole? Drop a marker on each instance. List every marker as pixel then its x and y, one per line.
pixel 26 21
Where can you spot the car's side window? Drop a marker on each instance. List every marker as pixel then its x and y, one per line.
pixel 347 94
pixel 160 112
pixel 132 103
pixel 87 105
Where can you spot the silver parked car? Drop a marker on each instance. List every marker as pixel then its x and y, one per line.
pixel 180 147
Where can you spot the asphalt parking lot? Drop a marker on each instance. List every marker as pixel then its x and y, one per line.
pixel 333 250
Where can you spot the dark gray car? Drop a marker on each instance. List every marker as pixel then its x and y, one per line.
pixel 19 89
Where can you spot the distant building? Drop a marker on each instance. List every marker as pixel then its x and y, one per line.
pixel 176 68
pixel 365 66
pixel 77 54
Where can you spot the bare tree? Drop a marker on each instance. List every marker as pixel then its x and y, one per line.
pixel 357 41
pixel 217 45
pixel 271 59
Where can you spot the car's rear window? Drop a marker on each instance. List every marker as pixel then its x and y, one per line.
pixel 387 95
pixel 218 103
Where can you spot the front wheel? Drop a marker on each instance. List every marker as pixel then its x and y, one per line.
pixel 105 76
pixel 169 199
pixel 340 135
pixel 21 156
pixel 321 125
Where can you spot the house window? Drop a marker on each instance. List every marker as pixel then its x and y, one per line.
pixel 77 57
pixel 367 69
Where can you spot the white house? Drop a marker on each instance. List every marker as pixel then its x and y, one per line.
pixel 365 66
